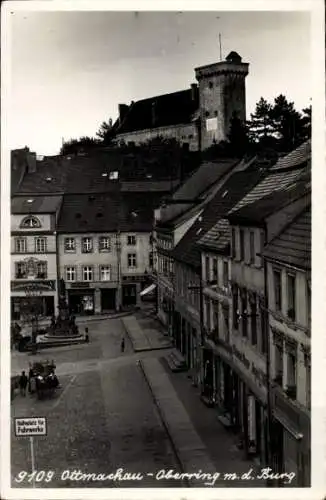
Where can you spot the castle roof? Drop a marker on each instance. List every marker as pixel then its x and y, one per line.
pixel 170 109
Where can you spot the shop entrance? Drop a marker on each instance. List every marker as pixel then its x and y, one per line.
pixel 129 295
pixel 81 302
pixel 108 299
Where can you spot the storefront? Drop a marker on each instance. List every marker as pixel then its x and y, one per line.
pixel 33 298
pixel 81 300
pixel 23 306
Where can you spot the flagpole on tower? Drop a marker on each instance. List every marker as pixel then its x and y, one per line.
pixel 220 44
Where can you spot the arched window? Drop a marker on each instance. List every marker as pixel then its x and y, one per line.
pixel 30 222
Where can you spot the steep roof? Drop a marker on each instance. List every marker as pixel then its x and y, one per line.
pixel 233 189
pixel 108 212
pixel 197 185
pixel 91 174
pixel 38 204
pixel 293 245
pixel 170 109
pixel 256 212
pixel 298 156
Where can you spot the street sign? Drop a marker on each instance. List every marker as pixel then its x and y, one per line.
pixel 30 426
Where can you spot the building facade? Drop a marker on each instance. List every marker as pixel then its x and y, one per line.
pixel 104 271
pixel 34 256
pixel 288 268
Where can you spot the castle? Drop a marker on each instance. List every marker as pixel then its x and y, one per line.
pixel 197 117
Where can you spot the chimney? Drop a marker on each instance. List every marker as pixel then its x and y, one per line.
pixel 123 109
pixel 154 113
pixel 31 162
pixel 194 91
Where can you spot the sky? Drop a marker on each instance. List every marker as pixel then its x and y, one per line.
pixel 70 70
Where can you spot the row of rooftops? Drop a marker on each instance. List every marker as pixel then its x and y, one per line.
pixel 248 197
pixel 101 170
pixel 82 213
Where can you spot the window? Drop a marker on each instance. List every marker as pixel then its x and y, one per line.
pixel 279 363
pixel 244 313
pixel 264 329
pixel 70 273
pixel 235 308
pixel 132 262
pixel 70 245
pixel 291 297
pixel 105 273
pixel 131 240
pixel 291 372
pixel 87 245
pixel 225 314
pixel 215 275
pixel 41 270
pixel 278 290
pixel 233 244
pixel 252 247
pixel 30 222
pixel 20 245
pixel 104 244
pixel 151 259
pixel 216 319
pixel 40 245
pixel 21 271
pixel 242 247
pixel 87 273
pixel 225 274
pixel 208 313
pixel 210 84
pixel 253 316
pixel 207 273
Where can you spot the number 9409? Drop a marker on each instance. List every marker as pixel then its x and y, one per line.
pixel 36 476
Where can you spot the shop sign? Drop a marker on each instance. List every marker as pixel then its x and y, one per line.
pixel 81 284
pixel 18 286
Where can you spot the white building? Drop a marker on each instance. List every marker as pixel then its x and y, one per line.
pixel 34 254
pixel 105 252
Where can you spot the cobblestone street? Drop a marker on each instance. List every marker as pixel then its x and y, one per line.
pixel 104 418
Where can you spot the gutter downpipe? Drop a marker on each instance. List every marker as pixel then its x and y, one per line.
pixel 268 451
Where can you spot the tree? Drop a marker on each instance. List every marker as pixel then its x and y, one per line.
pixel 306 121
pixel 238 136
pixel 77 146
pixel 260 127
pixel 287 123
pixel 105 132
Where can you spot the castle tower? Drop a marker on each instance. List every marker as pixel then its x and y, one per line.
pixel 222 92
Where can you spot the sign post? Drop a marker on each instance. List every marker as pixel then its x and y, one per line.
pixel 30 427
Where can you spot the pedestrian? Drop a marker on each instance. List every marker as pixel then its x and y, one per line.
pixel 122 344
pixel 86 336
pixel 30 376
pixel 23 381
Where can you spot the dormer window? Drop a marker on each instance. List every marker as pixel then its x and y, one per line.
pixel 30 222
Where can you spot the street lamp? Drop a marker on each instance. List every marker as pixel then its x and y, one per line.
pixel 118 249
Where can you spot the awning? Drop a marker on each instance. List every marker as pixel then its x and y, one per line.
pixel 147 290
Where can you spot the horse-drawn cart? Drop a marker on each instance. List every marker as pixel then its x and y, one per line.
pixel 43 380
